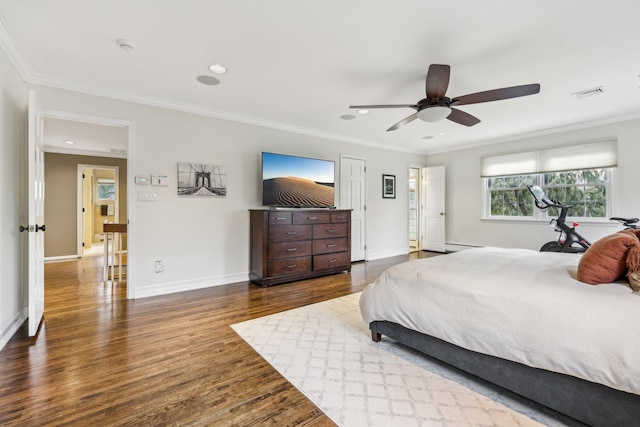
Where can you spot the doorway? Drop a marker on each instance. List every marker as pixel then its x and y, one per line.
pixel 99 200
pixel 101 146
pixel 414 209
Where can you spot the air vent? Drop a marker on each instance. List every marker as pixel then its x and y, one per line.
pixel 589 92
pixel 118 150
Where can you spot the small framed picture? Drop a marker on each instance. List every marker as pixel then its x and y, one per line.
pixel 388 186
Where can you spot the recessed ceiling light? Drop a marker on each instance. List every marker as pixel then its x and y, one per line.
pixel 69 142
pixel 442 134
pixel 347 117
pixel 363 111
pixel 218 69
pixel 126 44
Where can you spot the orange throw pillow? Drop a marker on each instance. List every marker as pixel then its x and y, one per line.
pixel 606 260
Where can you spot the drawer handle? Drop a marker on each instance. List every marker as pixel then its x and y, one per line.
pixel 291 266
pixel 331 230
pixel 313 217
pixel 281 218
pixel 292 232
pixel 331 246
pixel 332 260
pixel 291 249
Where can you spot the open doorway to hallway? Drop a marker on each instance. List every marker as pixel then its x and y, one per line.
pixel 85 184
pixel 414 209
pixel 99 200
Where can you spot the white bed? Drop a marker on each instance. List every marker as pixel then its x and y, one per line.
pixel 519 305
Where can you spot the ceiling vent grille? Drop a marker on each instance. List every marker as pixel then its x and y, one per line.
pixel 118 150
pixel 589 92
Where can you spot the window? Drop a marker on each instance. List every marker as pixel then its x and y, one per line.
pixel 579 175
pixel 105 189
pixel 586 190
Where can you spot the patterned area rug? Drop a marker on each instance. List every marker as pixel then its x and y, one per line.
pixel 325 350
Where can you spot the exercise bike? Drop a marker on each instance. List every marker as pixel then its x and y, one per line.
pixel 569 240
pixel 628 223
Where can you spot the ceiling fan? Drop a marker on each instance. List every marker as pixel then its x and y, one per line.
pixel 436 106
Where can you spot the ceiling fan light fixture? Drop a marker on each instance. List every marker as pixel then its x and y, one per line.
pixel 434 114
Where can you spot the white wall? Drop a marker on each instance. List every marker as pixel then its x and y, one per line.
pixel 205 241
pixel 464 188
pixel 13 100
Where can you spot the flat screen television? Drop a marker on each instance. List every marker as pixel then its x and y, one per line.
pixel 300 182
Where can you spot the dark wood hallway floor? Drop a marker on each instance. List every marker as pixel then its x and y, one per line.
pixel 100 359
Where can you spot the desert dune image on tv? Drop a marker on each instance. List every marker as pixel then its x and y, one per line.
pixel 296 181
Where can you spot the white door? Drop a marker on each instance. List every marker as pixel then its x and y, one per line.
pixel 36 227
pixel 433 209
pixel 352 196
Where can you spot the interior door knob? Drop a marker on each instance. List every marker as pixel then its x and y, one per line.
pixel 23 228
pixel 41 227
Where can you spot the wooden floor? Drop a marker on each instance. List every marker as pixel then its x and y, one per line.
pixel 100 359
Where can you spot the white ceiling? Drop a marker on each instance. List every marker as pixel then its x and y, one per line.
pixel 298 65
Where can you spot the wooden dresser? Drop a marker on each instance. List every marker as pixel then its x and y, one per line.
pixel 288 245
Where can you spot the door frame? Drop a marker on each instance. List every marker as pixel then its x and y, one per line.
pixel 80 200
pixel 419 206
pixel 131 207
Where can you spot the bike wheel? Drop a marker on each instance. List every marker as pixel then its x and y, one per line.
pixel 552 246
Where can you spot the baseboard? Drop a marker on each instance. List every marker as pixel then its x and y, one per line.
pixel 387 254
pixel 456 247
pixel 143 291
pixel 13 327
pixel 60 258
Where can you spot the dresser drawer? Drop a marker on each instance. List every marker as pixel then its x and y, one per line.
pixel 326 231
pixel 287 233
pixel 296 248
pixel 289 266
pixel 279 218
pixel 326 246
pixel 311 217
pixel 341 259
pixel 340 216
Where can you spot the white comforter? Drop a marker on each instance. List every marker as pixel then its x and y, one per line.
pixel 519 305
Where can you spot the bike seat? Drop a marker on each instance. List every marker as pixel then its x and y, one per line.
pixel 624 220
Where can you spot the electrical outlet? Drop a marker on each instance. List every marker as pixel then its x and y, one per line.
pixel 159 267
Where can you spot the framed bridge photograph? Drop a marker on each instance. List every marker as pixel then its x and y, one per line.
pixel 197 179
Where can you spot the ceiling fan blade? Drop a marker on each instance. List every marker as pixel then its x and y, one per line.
pixel 462 118
pixel 385 106
pixel 497 94
pixel 404 122
pixel 437 80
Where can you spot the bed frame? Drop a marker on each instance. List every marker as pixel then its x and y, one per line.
pixel 588 402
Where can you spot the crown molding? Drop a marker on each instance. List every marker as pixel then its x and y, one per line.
pixel 15 54
pixel 587 124
pixel 41 80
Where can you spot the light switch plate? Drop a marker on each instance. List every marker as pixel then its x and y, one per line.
pixel 159 179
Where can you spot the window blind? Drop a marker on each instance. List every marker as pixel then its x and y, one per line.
pixel 602 154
